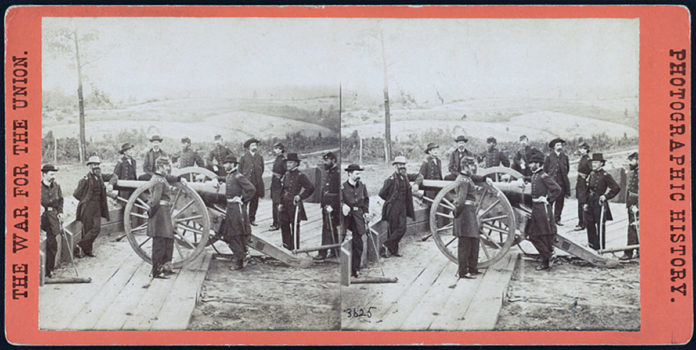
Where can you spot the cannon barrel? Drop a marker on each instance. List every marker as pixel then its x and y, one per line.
pixel 508 188
pixel 200 187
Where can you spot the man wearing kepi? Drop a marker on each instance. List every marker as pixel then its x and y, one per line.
pixel 217 156
pixel 52 216
pixel 238 191
pixel 493 156
pixel 431 168
pixel 542 227
pixel 152 154
pixel 557 165
pixel 519 161
pixel 632 205
pixel 601 188
pixel 465 222
pixel 124 170
pixel 355 209
pixel 295 188
pixel 456 157
pixel 91 193
pixel 188 157
pixel 330 205
pixel 251 165
pixel 584 168
pixel 278 171
pixel 159 225
pixel 398 205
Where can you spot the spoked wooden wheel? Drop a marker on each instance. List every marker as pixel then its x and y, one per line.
pixel 195 174
pixel 190 220
pixel 495 218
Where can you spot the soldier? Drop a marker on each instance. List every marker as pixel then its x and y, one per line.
pixel 431 169
pixel 124 170
pixel 278 171
pixel 217 156
pixel 398 204
pixel 150 157
pixel 557 165
pixel 541 227
pixel 356 209
pixel 601 188
pixel 584 168
pixel 239 191
pixel 493 156
pixel 91 194
pixel 456 156
pixel 159 225
pixel 296 187
pixel 331 185
pixel 251 165
pixel 519 162
pixel 632 206
pixel 188 157
pixel 52 216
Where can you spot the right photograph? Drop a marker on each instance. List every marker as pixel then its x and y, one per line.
pixel 489 175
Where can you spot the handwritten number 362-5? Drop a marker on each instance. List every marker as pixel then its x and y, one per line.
pixel 359 312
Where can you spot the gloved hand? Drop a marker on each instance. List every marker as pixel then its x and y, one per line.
pixel 296 199
pixel 345 209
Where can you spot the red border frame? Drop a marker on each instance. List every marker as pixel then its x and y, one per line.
pixel 662 322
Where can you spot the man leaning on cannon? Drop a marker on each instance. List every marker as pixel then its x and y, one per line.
pixel 92 206
pixel 295 187
pixel 52 216
pixel 237 229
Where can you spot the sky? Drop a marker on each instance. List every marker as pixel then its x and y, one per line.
pixel 136 59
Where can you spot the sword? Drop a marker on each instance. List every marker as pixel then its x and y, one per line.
pixel 295 228
pixel 374 245
pixel 331 226
pixel 601 224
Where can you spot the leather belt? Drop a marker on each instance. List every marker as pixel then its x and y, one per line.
pixel 164 203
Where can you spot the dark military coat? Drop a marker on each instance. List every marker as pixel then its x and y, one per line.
pixel 125 170
pixel 190 158
pixel 632 188
pixel 331 185
pixel 217 154
pixel 295 183
pixel 251 166
pixel 542 221
pixel 431 169
pixel 521 156
pixel 358 200
pixel 278 170
pixel 91 191
pixel 236 218
pixel 160 221
pixel 601 183
pixel 52 202
pixel 150 157
pixel 465 222
pixel 454 159
pixel 397 190
pixel 495 157
pixel 557 166
pixel 584 169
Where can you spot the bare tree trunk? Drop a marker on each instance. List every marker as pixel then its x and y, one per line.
pixel 387 117
pixel 55 150
pixel 80 101
pixel 360 153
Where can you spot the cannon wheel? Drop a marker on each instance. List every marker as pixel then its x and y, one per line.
pixel 496 221
pixel 194 173
pixel 190 220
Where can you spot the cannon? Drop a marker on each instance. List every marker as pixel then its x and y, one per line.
pixel 503 210
pixel 196 218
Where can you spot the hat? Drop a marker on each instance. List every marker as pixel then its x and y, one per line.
pixel 163 160
pixel 329 155
pixel 491 139
pixel 250 141
pixel 354 167
pixel 399 160
pixel 584 145
pixel 555 141
pixel 126 146
pixel 524 137
pixel 598 157
pixel 292 157
pixel 633 155
pixel 93 160
pixel 536 157
pixel 185 140
pixel 431 146
pixel 229 159
pixel 279 145
pixel 156 138
pixel 218 137
pixel 48 167
pixel 461 138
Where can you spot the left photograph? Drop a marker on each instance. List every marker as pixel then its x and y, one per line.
pixel 190 171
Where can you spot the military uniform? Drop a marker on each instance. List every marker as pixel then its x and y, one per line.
pixel 149 163
pixel 159 225
pixel 454 160
pixel 398 205
pixel 557 167
pixel 189 157
pixel 631 200
pixel 125 170
pixel 251 166
pixel 581 193
pixel 278 172
pixel 331 186
pixel 522 155
pixel 216 157
pixel 431 169
pixel 541 227
pixel 495 157
pixel 237 227
pixel 92 206
pixel 465 225
pixel 52 202
pixel 356 197
pixel 599 183
pixel 293 183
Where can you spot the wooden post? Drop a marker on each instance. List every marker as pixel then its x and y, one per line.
pixel 387 117
pixel 81 101
pixel 360 158
pixel 55 150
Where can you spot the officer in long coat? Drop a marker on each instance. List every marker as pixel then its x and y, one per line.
pixel 238 191
pixel 519 161
pixel 251 165
pixel 431 168
pixel 493 156
pixel 52 216
pixel 632 205
pixel 584 169
pixel 217 156
pixel 188 157
pixel 355 209
pixel 277 172
pixel 91 194
pixel 601 187
pixel 398 204
pixel 456 157
pixel 159 225
pixel 557 166
pixel 152 154
pixel 124 170
pixel 541 227
pixel 330 204
pixel 296 187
